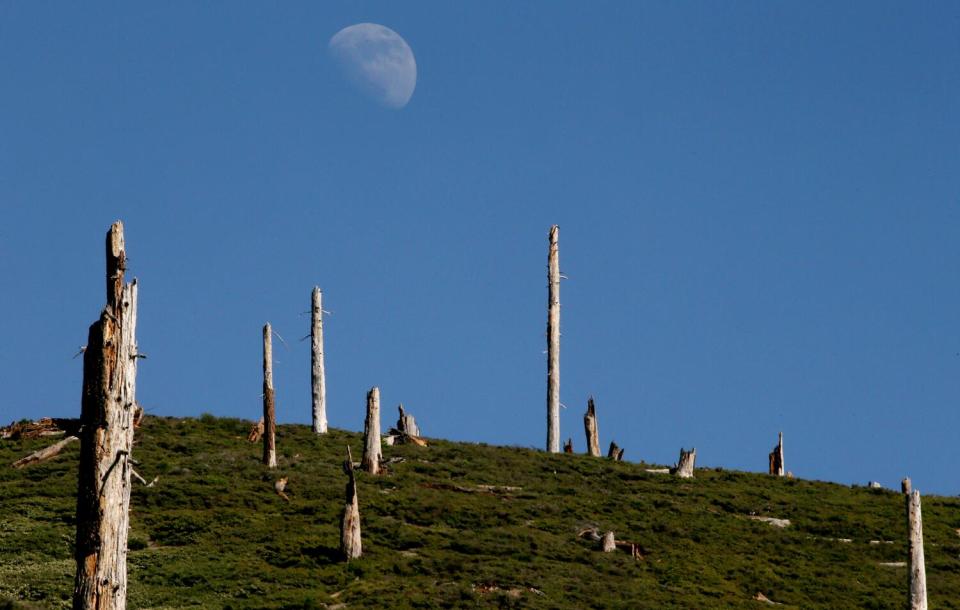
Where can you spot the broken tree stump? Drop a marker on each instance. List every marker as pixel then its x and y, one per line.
pixel 350 543
pixel 590 428
pixel 905 487
pixel 406 424
pixel 684 467
pixel 917 599
pixel 568 446
pixel 280 486
pixel 107 410
pixel 44 454
pixel 608 544
pixel 615 453
pixel 269 408
pixel 317 374
pixel 553 342
pixel 372 452
pixel 256 432
pixel 776 458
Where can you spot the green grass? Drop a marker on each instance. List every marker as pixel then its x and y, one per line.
pixel 213 534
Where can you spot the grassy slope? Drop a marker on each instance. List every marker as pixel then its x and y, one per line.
pixel 212 533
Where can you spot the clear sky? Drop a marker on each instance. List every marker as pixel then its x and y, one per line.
pixel 759 210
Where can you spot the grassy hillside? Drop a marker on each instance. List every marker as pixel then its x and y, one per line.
pixel 212 533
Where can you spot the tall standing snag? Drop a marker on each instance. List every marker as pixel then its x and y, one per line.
pixel 350 544
pixel 269 409
pixel 553 342
pixel 776 458
pixel 372 453
pixel 108 404
pixel 317 375
pixel 918 574
pixel 590 427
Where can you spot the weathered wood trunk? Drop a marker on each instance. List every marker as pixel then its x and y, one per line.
pixel 568 446
pixel 905 487
pixel 317 375
pixel 350 544
pixel 776 458
pixel 269 408
pixel 553 342
pixel 590 427
pixel 615 452
pixel 684 468
pixel 44 454
pixel 106 441
pixel 918 574
pixel 372 453
pixel 608 544
pixel 406 423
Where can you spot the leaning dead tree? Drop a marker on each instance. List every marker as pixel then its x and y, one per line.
pixel 684 467
pixel 372 453
pixel 269 408
pixel 317 375
pixel 776 458
pixel 590 427
pixel 108 405
pixel 553 343
pixel 350 544
pixel 917 599
pixel 44 454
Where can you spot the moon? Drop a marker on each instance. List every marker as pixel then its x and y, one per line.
pixel 378 61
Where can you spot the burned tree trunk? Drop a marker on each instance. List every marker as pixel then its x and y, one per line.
pixel 317 375
pixel 918 574
pixel 372 453
pixel 776 458
pixel 590 427
pixel 684 468
pixel 406 424
pixel 615 452
pixel 106 439
pixel 350 544
pixel 553 343
pixel 568 446
pixel 269 409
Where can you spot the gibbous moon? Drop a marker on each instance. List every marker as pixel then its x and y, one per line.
pixel 378 61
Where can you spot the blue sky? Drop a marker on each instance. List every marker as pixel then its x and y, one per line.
pixel 759 208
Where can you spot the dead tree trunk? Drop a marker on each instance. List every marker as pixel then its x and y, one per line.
pixel 407 424
pixel 269 409
pixel 350 544
pixel 553 343
pixel 608 544
pixel 905 487
pixel 106 440
pixel 372 453
pixel 918 574
pixel 776 458
pixel 568 446
pixel 44 454
pixel 590 427
pixel 684 468
pixel 317 375
pixel 615 452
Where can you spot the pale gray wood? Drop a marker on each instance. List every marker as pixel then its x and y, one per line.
pixel 684 467
pixel 407 424
pixel 905 486
pixel 269 407
pixel 590 428
pixel 317 374
pixel 372 452
pixel 44 454
pixel 351 546
pixel 609 543
pixel 108 406
pixel 918 574
pixel 553 342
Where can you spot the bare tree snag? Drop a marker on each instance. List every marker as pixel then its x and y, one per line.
pixel 350 544
pixel 269 408
pixel 684 468
pixel 317 375
pixel 256 432
pixel 107 410
pixel 590 427
pixel 615 453
pixel 372 453
pixel 568 446
pixel 608 544
pixel 776 458
pixel 44 454
pixel 918 574
pixel 553 342
pixel 905 487
pixel 407 424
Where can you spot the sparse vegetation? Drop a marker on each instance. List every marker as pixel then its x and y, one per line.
pixel 213 533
